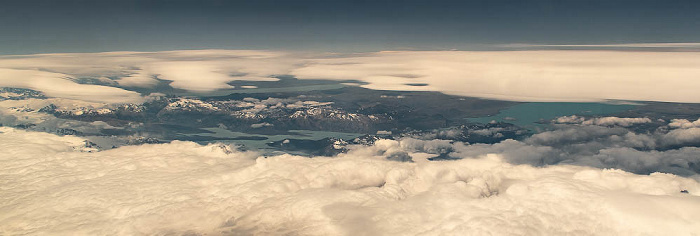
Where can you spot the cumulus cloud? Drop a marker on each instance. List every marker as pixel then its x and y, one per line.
pixel 611 121
pixel 570 119
pixel 575 134
pixel 682 137
pixel 494 132
pixel 186 188
pixel 602 121
pixel 684 124
pixel 605 153
pixel 260 125
pixel 675 151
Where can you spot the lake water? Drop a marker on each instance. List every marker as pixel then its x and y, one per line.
pixel 529 114
pixel 262 144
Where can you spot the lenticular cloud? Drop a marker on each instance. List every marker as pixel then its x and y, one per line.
pixel 50 187
pixel 543 76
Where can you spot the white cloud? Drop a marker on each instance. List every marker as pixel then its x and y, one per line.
pixel 192 75
pixel 60 86
pixel 575 134
pixel 570 119
pixel 684 124
pixel 551 75
pixel 617 121
pixel 682 136
pixel 602 121
pixel 494 132
pixel 601 147
pixel 139 78
pixel 524 75
pixel 182 187
pixel 622 45
pixel 260 125
pixel 198 71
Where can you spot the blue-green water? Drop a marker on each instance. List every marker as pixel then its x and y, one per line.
pixel 262 144
pixel 528 114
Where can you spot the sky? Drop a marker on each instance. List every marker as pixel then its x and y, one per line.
pixel 584 176
pixel 45 26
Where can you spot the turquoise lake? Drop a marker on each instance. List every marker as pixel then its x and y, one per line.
pixel 529 114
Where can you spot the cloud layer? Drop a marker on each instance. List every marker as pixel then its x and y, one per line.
pixel 60 85
pixel 49 187
pixel 524 75
pixel 549 75
pixel 197 71
pixel 632 144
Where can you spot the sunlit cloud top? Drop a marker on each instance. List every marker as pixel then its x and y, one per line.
pixel 550 75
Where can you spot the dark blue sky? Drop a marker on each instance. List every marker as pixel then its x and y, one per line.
pixel 42 26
